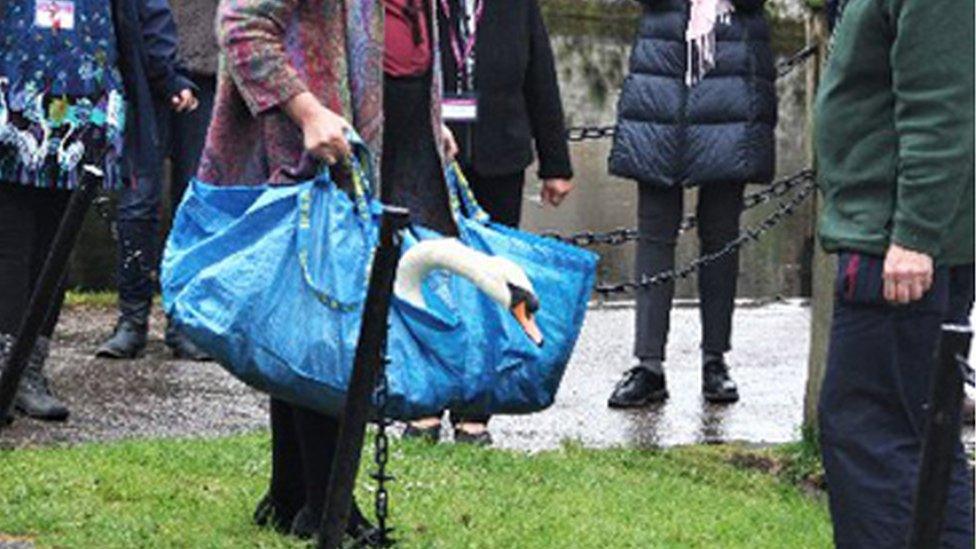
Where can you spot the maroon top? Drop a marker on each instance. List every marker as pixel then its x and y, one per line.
pixel 407 49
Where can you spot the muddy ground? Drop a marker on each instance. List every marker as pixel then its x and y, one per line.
pixel 157 396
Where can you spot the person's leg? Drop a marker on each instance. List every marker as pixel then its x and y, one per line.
pixel 137 230
pixel 189 134
pixel 318 437
pixel 719 210
pixel 659 213
pixel 961 293
pixel 872 410
pixel 286 492
pixel 38 214
pixel 500 196
pixel 17 222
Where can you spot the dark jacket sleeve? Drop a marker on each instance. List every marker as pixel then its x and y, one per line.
pixel 544 102
pixel 159 37
pixel 932 79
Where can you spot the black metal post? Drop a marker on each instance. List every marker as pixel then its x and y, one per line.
pixel 370 354
pixel 47 289
pixel 941 438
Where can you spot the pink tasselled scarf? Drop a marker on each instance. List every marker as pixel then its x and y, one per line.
pixel 700 36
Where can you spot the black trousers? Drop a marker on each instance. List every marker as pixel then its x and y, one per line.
pixel 659 213
pixel 500 196
pixel 29 219
pixel 873 410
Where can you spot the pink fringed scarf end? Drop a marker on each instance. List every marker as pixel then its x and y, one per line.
pixel 700 36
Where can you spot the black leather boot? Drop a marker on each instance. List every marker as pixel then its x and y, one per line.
pixel 182 347
pixel 359 531
pixel 717 386
pixel 34 398
pixel 128 341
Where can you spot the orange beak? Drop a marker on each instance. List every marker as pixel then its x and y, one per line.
pixel 526 319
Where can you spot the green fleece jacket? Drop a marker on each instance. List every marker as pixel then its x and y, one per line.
pixel 894 129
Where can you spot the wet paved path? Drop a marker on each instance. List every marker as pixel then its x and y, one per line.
pixel 157 396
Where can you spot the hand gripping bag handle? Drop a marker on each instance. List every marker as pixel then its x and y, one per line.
pixel 360 165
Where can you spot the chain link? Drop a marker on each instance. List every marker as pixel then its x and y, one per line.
pixel 784 210
pixel 381 454
pixel 617 237
pixel 578 134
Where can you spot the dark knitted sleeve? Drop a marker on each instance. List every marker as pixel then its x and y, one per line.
pixel 544 102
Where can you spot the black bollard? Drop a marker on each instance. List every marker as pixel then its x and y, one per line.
pixel 47 289
pixel 370 354
pixel 941 438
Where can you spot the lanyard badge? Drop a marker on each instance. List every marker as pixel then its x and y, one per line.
pixel 461 106
pixel 54 14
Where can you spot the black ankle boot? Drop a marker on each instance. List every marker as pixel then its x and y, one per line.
pixel 358 530
pixel 182 347
pixel 127 341
pixel 717 386
pixel 273 514
pixel 34 397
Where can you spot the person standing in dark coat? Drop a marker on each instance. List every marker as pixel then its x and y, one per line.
pixel 698 109
pixel 180 137
pixel 894 141
pixel 76 86
pixel 501 98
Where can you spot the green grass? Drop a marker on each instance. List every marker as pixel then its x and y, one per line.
pixel 200 493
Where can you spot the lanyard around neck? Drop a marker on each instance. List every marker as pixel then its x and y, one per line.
pixel 463 52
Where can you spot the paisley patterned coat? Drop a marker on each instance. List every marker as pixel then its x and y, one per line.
pixel 272 50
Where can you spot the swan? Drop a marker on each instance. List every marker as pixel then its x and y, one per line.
pixel 501 279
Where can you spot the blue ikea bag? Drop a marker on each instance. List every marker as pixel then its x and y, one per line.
pixel 517 375
pixel 271 281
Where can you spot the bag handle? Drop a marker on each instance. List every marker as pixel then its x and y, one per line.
pixel 360 165
pixel 462 196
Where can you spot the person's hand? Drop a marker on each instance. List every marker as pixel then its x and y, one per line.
pixel 324 134
pixel 907 275
pixel 555 190
pixel 184 101
pixel 450 144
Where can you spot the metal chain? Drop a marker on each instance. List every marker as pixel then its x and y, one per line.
pixel 787 65
pixel 578 134
pixel 381 455
pixel 784 210
pixel 617 237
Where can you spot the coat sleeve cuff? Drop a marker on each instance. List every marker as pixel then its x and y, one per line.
pixel 177 83
pixel 917 239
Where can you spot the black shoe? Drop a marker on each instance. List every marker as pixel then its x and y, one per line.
pixel 427 434
pixel 127 341
pixel 359 531
pixel 475 439
pixel 183 348
pixel 717 386
pixel 34 397
pixel 639 387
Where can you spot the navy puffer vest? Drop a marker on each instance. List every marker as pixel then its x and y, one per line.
pixel 720 130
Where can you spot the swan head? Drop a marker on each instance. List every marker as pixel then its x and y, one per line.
pixel 519 298
pixel 501 279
